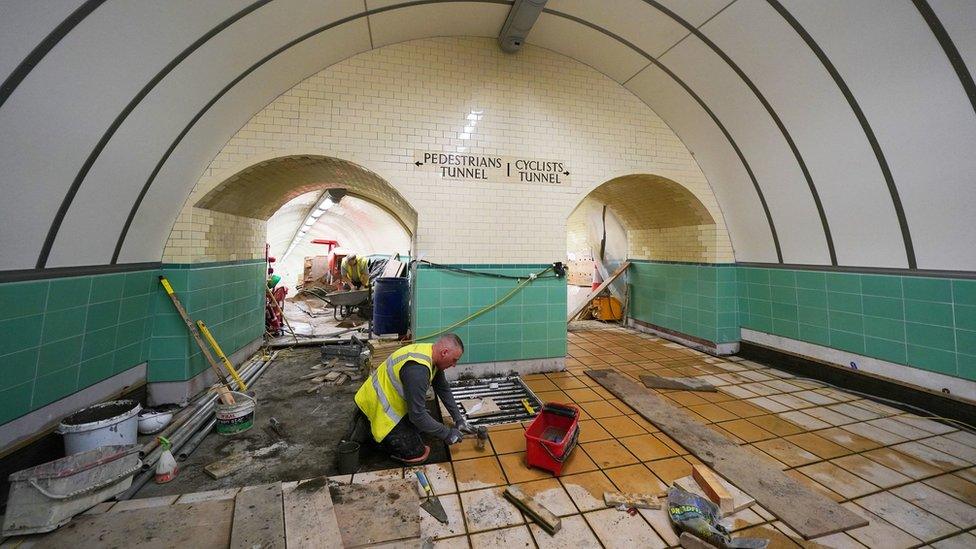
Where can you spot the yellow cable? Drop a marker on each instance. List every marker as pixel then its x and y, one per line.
pixel 476 314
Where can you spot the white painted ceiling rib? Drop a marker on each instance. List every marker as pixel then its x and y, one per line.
pixel 679 13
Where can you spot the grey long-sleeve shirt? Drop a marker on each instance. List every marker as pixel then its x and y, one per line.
pixel 416 379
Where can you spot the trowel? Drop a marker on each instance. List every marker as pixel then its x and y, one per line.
pixel 432 505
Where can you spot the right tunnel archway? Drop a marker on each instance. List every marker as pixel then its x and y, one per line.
pixel 682 280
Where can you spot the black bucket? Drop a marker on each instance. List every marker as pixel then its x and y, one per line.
pixel 348 457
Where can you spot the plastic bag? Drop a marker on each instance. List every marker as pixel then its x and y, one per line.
pixel 700 517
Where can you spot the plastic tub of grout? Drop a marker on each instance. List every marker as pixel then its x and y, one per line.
pixel 105 424
pixel 236 418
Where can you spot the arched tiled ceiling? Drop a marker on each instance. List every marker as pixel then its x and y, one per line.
pixel 644 201
pixel 866 108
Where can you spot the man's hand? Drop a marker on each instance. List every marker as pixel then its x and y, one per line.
pixel 465 427
pixel 454 437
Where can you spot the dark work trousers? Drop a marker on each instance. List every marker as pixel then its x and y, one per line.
pixel 403 442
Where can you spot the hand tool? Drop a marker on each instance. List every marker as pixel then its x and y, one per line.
pixel 528 407
pixel 481 432
pixel 223 390
pixel 220 354
pixel 432 505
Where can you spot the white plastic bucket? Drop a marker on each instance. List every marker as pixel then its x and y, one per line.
pixel 105 424
pixel 236 418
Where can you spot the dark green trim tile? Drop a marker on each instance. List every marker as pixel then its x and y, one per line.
pixel 928 289
pixel 18 368
pixel 784 311
pixel 782 277
pixel 811 298
pixel 140 283
pixel 935 337
pixel 22 298
pixel 966 366
pixel 783 294
pixel 92 371
pixel 927 312
pixel 786 328
pixel 811 280
pixel 892 351
pixel 812 316
pixel 814 334
pixel 99 343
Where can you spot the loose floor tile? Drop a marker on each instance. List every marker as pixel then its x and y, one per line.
pixel 474 474
pixel 618 529
pixel 586 489
pixel 660 521
pixel 938 503
pixel 551 495
pixel 838 480
pixel 487 509
pixel 439 475
pixel 879 532
pixel 575 533
pixel 517 470
pixel 517 536
pixel 769 404
pixel 647 447
pixel 433 528
pixel 871 471
pixel 908 517
pixel 608 453
pixel 786 452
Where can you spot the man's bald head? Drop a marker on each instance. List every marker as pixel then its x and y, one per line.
pixel 447 351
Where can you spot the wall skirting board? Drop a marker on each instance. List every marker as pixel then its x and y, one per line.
pixel 705 346
pixel 41 421
pixel 164 392
pixel 873 376
pixel 507 368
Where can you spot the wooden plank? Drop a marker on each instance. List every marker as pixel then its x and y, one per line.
pixel 713 488
pixel 259 518
pixel 545 518
pixel 579 308
pixel 204 525
pixel 143 503
pixel 677 383
pixel 808 513
pixel 310 519
pixel 740 499
pixel 377 512
pixel 639 501
pixel 229 465
pixel 210 495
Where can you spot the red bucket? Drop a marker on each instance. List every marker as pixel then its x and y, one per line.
pixel 551 437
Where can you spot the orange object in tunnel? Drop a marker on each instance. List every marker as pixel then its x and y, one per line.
pixel 606 308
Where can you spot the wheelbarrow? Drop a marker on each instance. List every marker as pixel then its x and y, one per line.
pixel 345 303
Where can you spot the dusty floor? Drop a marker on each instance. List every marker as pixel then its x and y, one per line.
pixel 314 425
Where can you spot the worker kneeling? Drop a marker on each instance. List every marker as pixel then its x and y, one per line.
pixel 392 399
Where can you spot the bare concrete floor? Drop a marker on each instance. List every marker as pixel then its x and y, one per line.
pixel 314 424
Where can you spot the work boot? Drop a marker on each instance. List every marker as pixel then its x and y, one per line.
pixel 416 460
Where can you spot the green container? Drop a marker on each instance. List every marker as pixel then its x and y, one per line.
pixel 236 418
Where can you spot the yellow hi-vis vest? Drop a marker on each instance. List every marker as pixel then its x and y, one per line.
pixel 381 396
pixel 356 271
